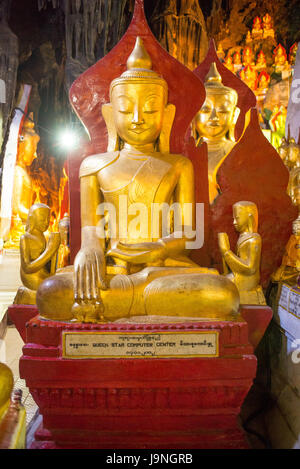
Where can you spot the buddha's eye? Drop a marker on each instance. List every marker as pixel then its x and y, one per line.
pixel 205 110
pixel 150 111
pixel 125 111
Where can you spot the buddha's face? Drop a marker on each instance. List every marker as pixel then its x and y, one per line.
pixel 41 218
pixel 215 118
pixel 240 218
pixel 138 110
pixel 28 146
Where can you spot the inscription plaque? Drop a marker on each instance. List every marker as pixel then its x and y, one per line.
pixel 104 344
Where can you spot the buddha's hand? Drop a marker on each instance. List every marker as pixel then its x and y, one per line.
pixel 223 241
pixel 150 253
pixel 53 242
pixel 89 272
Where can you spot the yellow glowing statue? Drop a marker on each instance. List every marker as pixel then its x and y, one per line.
pixel 22 188
pixel 38 257
pixel 243 268
pixel 12 413
pixel 120 270
pixel 268 28
pixel 289 270
pixel 257 30
pixel 214 124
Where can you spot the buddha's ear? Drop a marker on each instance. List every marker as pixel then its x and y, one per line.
pixel 164 137
pixel 234 121
pixel 107 113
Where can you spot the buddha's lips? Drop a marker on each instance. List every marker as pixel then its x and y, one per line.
pixel 138 130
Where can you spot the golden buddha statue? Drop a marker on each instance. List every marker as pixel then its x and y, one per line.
pixel 268 27
pixel 289 270
pixel 12 413
pixel 22 187
pixel 243 268
pixel 283 151
pixel 257 30
pixel 280 60
pixel 63 255
pixel 249 76
pixel 121 270
pixel 214 124
pixel 229 63
pixel 292 54
pixel 261 63
pixel 277 125
pixel 237 62
pixel 248 37
pixel 248 56
pixel 38 256
pixel 220 53
pixel 262 86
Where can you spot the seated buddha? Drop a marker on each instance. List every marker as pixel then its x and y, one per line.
pixel 267 26
pixel 243 268
pixel 229 63
pixel 127 268
pixel 249 76
pixel 261 63
pixel 257 30
pixel 22 187
pixel 214 124
pixel 248 56
pixel 280 60
pixel 237 62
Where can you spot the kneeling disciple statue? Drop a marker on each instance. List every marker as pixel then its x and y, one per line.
pixel 119 271
pixel 243 268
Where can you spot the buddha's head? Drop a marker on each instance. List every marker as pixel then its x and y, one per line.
pixel 218 114
pixel 6 387
pixel 138 109
pixel 237 58
pixel 267 20
pixel 245 216
pixel 28 141
pixel 38 218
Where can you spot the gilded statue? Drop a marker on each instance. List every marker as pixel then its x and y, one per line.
pixel 249 76
pixel 292 54
pixel 12 412
pixel 277 124
pixel 268 27
pixel 38 256
pixel 63 255
pixel 214 124
pixel 281 64
pixel 289 270
pixel 22 187
pixel 243 268
pixel 121 270
pixel 237 62
pixel 257 30
pixel 248 56
pixel 229 63
pixel 261 63
pixel 248 37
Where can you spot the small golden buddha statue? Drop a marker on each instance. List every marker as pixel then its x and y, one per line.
pixel 280 60
pixel 248 56
pixel 63 255
pixel 261 63
pixel 293 154
pixel 12 413
pixel 263 85
pixel 257 30
pixel 292 54
pixel 283 151
pixel 214 124
pixel 38 256
pixel 23 188
pixel 249 76
pixel 248 37
pixel 243 268
pixel 229 63
pixel 121 271
pixel 237 62
pixel 220 52
pixel 289 270
pixel 268 27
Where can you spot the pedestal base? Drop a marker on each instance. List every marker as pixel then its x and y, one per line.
pixel 150 402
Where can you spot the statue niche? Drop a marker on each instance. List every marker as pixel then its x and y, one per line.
pixel 119 273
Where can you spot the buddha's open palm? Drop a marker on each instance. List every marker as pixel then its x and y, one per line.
pixel 89 272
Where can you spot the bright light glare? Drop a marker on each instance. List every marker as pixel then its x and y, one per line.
pixel 68 139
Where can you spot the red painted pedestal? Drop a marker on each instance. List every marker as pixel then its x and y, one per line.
pixel 138 403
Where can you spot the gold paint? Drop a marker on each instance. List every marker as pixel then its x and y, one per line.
pixel 243 268
pixel 38 256
pixel 214 124
pixel 22 188
pixel 119 275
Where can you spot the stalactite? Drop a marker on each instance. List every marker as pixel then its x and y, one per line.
pixel 181 31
